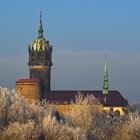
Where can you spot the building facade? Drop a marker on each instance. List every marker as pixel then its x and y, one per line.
pixel 38 85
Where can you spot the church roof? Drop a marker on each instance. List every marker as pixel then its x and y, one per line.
pixel 114 98
pixel 27 81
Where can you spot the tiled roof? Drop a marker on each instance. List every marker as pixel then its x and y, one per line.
pixel 114 98
pixel 27 81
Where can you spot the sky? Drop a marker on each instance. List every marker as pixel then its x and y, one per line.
pixel 82 32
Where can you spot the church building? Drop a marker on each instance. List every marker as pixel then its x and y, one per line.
pixel 38 85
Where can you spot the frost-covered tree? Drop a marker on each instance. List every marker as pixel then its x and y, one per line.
pixel 21 131
pixel 84 121
pixel 134 107
pixel 16 115
pixel 13 107
pixel 129 128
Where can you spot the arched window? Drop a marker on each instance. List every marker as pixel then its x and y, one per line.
pixel 117 113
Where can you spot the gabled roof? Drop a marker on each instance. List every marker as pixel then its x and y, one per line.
pixel 114 98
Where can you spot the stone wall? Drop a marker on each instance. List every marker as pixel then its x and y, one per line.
pixel 29 89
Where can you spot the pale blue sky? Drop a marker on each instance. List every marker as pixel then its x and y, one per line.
pixel 81 32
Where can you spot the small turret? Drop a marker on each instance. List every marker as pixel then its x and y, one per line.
pixel 106 81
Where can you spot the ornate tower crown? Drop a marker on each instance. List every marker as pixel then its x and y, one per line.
pixel 106 81
pixel 40 43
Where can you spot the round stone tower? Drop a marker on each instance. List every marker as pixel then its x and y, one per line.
pixel 28 88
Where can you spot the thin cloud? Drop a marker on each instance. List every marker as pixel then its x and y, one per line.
pixel 81 69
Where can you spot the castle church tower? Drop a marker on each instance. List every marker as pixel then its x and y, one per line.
pixel 40 59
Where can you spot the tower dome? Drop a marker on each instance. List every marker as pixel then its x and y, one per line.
pixel 40 44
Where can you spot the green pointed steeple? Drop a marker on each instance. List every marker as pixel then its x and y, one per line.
pixel 105 82
pixel 40 30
